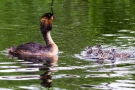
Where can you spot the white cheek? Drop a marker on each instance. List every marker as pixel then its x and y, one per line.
pixel 52 18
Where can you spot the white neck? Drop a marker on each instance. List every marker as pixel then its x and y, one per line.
pixel 48 38
pixel 49 42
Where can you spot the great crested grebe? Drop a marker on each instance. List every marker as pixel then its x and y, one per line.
pixel 32 48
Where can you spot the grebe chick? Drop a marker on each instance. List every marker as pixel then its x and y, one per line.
pixel 97 50
pixel 88 49
pixel 32 48
pixel 99 47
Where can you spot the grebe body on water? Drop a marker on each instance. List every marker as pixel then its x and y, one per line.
pixel 32 48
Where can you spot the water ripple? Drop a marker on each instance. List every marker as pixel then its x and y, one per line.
pixel 5 89
pixel 21 70
pixel 118 85
pixel 9 66
pixel 8 63
pixel 21 77
pixel 104 75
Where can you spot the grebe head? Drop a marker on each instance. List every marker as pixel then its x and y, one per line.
pixel 46 22
pixel 48 16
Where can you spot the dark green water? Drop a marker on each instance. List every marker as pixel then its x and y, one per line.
pixel 77 24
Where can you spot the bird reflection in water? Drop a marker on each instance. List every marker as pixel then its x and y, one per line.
pixel 45 64
pixel 46 76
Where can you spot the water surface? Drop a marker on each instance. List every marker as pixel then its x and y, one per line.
pixel 77 24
